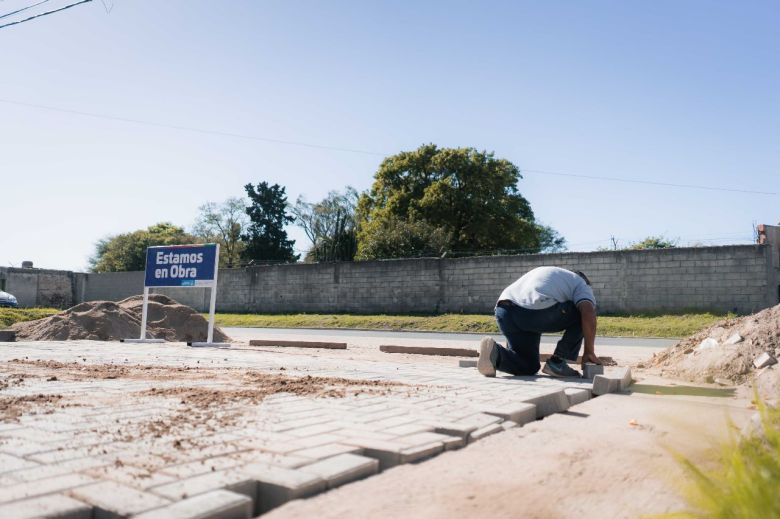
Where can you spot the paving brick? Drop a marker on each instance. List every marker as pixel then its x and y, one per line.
pixel 343 468
pixel 10 463
pixel 47 507
pixel 485 431
pixel 577 396
pixel 276 486
pixel 113 501
pixel 479 420
pixel 326 451
pixel 612 381
pixel 452 428
pixel 550 402
pixel 43 486
pixel 409 428
pixel 131 476
pixel 590 370
pixel 312 430
pixel 421 452
pixel 234 480
pixel 518 413
pixel 217 504
pixel 388 453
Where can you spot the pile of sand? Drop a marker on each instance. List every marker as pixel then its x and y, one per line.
pixel 109 321
pixel 725 352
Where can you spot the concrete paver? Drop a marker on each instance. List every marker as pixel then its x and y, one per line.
pixel 218 504
pixel 131 429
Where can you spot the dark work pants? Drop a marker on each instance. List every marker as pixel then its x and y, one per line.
pixel 523 330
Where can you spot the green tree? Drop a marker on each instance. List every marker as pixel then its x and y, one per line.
pixel 454 200
pixel 654 242
pixel 330 225
pixel 550 240
pixel 127 252
pixel 224 224
pixel 265 237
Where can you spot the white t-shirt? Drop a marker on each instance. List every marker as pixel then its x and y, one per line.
pixel 543 287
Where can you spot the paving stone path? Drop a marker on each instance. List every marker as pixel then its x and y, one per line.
pixel 101 429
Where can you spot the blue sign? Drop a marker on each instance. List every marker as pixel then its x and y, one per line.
pixel 181 266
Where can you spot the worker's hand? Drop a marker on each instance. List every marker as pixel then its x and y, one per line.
pixel 590 357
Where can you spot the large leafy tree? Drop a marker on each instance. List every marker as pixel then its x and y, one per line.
pixel 459 201
pixel 126 252
pixel 224 224
pixel 330 225
pixel 265 237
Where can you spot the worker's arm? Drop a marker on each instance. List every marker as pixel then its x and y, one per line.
pixel 588 316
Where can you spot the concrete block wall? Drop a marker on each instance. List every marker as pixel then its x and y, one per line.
pixel 740 278
pixel 732 278
pixel 41 287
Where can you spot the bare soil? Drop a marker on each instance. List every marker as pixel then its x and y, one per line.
pixel 724 353
pixel 110 321
pixel 12 407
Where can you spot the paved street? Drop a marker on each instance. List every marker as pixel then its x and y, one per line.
pixel 129 429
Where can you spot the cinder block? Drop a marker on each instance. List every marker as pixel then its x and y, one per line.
pixel 114 501
pixel 611 382
pixel 276 486
pixel 453 428
pixel 217 504
pixel 343 468
pixel 47 507
pixel 518 413
pixel 465 363
pixel 7 336
pixel 590 370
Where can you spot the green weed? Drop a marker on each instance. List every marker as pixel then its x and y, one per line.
pixel 746 480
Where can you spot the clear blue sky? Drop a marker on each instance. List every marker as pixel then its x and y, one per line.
pixel 669 91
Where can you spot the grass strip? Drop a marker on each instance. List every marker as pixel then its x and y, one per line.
pixel 668 326
pixel 9 316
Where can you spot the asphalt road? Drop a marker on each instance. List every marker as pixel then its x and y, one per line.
pixel 384 334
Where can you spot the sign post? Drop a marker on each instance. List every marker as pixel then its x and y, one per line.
pixel 181 266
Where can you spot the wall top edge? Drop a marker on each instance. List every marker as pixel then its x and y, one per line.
pixel 553 257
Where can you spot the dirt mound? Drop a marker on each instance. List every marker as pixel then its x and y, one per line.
pixel 726 351
pixel 108 321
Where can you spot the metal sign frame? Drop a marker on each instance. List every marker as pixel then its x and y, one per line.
pixel 211 284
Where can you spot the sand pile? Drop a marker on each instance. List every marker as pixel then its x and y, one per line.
pixel 726 352
pixel 108 321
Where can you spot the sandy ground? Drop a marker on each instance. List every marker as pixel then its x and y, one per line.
pixel 609 457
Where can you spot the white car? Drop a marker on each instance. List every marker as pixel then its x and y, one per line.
pixel 7 300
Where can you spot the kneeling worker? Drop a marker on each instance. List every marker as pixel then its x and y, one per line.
pixel 546 299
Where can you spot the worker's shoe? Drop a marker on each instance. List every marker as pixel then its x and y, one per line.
pixel 557 367
pixel 488 357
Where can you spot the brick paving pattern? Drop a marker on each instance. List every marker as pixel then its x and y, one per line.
pixel 121 443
